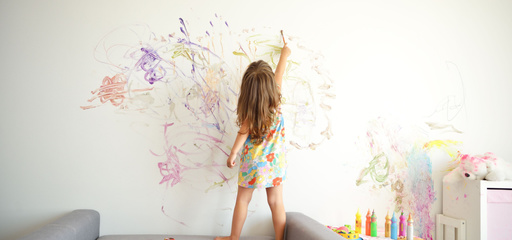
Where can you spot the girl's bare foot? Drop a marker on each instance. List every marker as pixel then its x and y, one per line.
pixel 223 238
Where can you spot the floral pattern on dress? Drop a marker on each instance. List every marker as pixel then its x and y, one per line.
pixel 264 165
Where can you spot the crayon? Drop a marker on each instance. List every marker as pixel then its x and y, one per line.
pixel 358 221
pixel 402 225
pixel 394 227
pixel 368 224
pixel 410 229
pixel 374 224
pixel 387 226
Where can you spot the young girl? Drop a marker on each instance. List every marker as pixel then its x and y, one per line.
pixel 262 164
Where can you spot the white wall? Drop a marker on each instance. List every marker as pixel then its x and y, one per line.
pixel 393 65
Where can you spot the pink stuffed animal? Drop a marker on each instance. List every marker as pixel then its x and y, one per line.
pixel 479 167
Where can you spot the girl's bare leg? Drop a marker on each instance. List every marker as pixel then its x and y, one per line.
pixel 275 202
pixel 243 198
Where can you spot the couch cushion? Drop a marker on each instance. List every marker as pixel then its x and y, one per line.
pixel 176 237
pixel 80 224
pixel 302 227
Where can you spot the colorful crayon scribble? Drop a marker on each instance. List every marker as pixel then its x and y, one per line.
pixel 112 90
pixel 190 82
pixel 400 162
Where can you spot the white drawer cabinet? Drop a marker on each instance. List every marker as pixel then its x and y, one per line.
pixel 486 206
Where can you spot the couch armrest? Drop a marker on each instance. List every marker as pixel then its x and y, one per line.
pixel 302 227
pixel 76 225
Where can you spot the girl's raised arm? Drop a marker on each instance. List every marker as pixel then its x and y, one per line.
pixel 281 65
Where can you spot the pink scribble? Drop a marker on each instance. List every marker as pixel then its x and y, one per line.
pixel 112 90
pixel 180 222
pixel 172 169
pixel 422 188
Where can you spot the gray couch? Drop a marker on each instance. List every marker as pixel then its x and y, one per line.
pixel 85 225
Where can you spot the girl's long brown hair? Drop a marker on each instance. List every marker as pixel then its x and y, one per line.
pixel 259 99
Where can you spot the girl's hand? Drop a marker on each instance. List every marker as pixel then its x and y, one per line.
pixel 231 162
pixel 285 51
pixel 281 65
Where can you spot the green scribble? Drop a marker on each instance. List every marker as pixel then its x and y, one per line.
pixel 219 184
pixel 377 169
pixel 241 54
pixel 182 51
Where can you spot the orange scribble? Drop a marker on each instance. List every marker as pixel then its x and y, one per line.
pixel 112 90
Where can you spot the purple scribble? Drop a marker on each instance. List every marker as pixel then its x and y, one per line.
pixel 184 29
pixel 193 45
pixel 150 63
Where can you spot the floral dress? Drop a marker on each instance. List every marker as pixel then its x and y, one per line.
pixel 264 165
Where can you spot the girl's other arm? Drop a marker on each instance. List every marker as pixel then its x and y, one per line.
pixel 281 65
pixel 239 142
